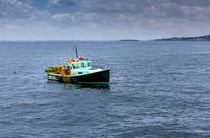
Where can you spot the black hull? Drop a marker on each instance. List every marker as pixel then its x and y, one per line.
pixel 54 77
pixel 100 79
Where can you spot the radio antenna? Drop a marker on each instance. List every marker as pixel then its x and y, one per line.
pixel 76 51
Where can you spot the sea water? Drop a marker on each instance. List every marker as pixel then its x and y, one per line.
pixel 157 89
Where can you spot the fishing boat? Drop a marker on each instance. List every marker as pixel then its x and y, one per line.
pixel 79 71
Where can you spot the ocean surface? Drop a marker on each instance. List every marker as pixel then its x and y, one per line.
pixel 157 89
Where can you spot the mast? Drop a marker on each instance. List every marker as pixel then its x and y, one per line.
pixel 76 51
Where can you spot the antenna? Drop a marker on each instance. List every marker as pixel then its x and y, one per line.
pixel 76 51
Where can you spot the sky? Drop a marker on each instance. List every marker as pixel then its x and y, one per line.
pixel 103 19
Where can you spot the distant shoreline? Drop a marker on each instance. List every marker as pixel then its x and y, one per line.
pixel 205 38
pixel 129 40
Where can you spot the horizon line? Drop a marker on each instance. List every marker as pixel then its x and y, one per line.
pixel 68 40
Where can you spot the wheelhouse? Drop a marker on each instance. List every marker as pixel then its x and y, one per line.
pixel 80 65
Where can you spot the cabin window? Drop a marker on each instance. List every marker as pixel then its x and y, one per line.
pixel 75 66
pixel 79 72
pixel 88 64
pixel 82 65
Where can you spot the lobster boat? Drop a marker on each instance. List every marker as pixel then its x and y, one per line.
pixel 79 71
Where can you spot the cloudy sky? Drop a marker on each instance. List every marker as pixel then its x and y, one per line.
pixel 102 19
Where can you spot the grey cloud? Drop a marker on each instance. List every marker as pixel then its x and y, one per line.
pixel 53 2
pixel 143 8
pixel 133 17
pixel 62 3
pixel 139 15
pixel 110 5
pixel 175 10
pixel 62 16
pixel 14 9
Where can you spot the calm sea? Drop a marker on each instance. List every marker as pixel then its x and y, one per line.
pixel 157 89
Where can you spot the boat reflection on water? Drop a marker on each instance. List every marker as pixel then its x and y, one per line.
pixel 79 86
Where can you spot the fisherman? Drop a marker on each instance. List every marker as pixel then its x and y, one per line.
pixel 64 70
pixel 67 71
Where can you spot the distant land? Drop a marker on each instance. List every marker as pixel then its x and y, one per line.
pixel 199 38
pixel 129 40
